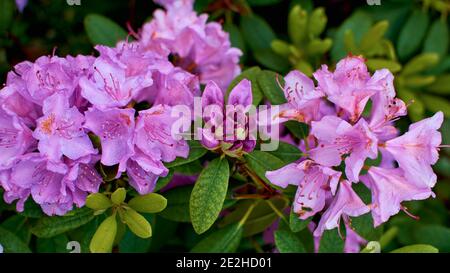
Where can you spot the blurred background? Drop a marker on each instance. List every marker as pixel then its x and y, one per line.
pixel 409 37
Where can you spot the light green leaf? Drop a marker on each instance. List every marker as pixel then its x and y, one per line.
pixel 297 24
pixel 102 30
pixel 118 196
pixel 103 239
pixel 137 223
pixel 441 85
pixel 98 201
pixel 376 64
pixel 416 249
pixel 373 37
pixel 435 104
pixel 317 22
pixel 420 63
pixel 149 203
pixel 47 227
pixel 208 195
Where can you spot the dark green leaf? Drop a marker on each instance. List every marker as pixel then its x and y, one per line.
pixel 267 81
pixel 177 204
pixel 437 236
pixel 6 14
pixel 102 30
pixel 196 151
pixel 261 162
pixel 296 224
pixel 47 227
pixel 225 240
pixel 331 242
pixel 57 244
pixel 11 243
pixel 412 34
pixel 287 152
pixel 288 242
pixel 437 38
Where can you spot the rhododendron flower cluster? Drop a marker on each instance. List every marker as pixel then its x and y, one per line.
pixel 351 115
pixel 53 110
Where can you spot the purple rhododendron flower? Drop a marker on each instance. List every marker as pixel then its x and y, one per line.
pixel 115 128
pixel 198 47
pixel 119 74
pixel 15 139
pixel 227 124
pixel 60 130
pixel 344 135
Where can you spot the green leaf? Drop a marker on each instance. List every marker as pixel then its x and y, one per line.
pixel 208 195
pixel 296 224
pixel 363 225
pixel 412 34
pixel 103 239
pixel 130 243
pixel 261 162
pixel 7 8
pixel 98 201
pixel 225 240
pixel 435 104
pixel 419 81
pixel 32 210
pixel 416 249
pixel 19 226
pixel 435 235
pixel 317 22
pixel 261 217
pixel 57 244
pixel 267 81
pixel 359 23
pixel 236 38
pixel 376 64
pixel 102 30
pixel 250 74
pixel 281 47
pixel 441 85
pixel 196 151
pixel 257 32
pixel 420 63
pixel 331 242
pixel 437 38
pixel 164 181
pixel 118 196
pixel 11 243
pixel 287 152
pixel 268 58
pixel 149 203
pixel 298 129
pixel 373 37
pixel 137 223
pixel 319 46
pixel 288 242
pixel 177 204
pixel 417 111
pixel 47 227
pixel 297 24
